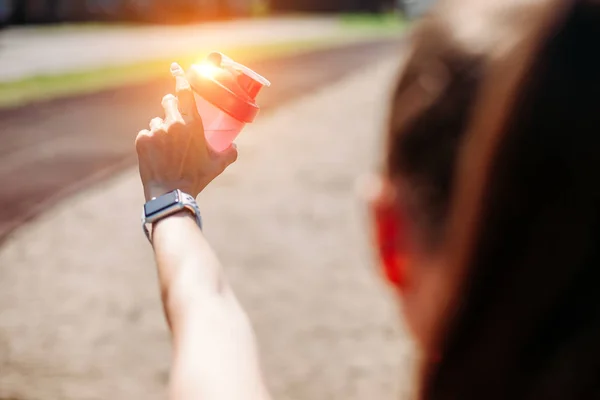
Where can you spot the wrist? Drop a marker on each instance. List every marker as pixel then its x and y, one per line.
pixel 184 214
pixel 165 207
pixel 154 190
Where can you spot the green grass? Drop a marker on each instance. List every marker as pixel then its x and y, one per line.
pixel 386 21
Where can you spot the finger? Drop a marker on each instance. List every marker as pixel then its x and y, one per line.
pixel 142 139
pixel 228 156
pixel 187 103
pixel 181 83
pixel 171 106
pixel 156 124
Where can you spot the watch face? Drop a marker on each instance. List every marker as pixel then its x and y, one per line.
pixel 160 203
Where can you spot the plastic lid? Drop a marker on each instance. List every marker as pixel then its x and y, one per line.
pixel 228 85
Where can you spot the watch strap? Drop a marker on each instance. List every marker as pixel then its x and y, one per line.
pixel 185 202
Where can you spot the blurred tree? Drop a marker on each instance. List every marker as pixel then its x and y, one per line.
pixel 38 11
pixel 7 12
pixel 105 10
pixel 156 11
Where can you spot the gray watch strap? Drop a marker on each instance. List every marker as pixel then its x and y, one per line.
pixel 186 202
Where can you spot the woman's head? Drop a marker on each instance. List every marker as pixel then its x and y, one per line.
pixel 494 147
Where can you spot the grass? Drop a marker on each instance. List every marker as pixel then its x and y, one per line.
pixel 386 21
pixel 45 87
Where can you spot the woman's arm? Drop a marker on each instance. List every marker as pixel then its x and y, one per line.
pixel 215 356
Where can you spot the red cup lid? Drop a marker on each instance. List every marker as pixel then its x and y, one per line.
pixel 228 85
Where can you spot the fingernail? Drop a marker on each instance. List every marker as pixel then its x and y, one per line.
pixel 176 69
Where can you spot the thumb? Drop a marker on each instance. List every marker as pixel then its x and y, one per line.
pixel 227 157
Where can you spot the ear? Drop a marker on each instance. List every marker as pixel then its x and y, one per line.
pixel 390 236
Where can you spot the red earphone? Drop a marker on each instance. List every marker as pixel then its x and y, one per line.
pixel 390 239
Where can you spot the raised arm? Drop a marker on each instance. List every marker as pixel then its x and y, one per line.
pixel 215 356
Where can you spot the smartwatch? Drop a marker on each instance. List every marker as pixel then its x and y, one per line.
pixel 168 204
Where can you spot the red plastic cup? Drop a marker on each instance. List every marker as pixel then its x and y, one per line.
pixel 225 93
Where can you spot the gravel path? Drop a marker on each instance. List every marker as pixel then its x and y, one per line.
pixel 79 311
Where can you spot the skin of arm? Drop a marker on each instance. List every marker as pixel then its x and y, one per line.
pixel 215 355
pixel 214 349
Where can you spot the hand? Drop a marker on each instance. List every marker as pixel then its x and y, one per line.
pixel 173 153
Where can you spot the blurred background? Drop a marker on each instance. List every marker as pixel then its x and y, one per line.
pixel 176 11
pixel 80 315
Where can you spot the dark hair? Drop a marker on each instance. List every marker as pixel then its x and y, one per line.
pixel 440 84
pixel 526 324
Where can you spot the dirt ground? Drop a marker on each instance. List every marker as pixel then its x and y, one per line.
pixel 80 316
